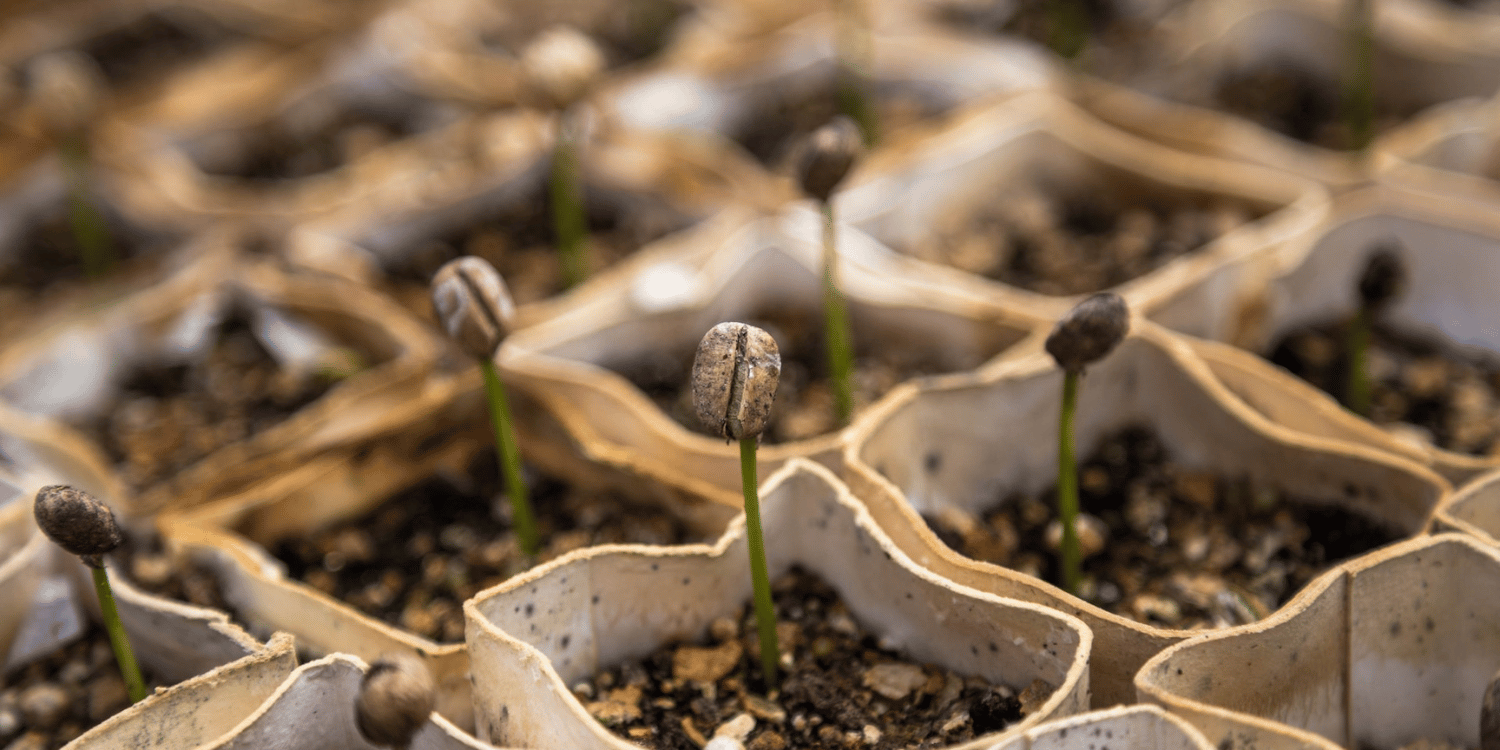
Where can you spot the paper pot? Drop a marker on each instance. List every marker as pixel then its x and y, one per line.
pixel 71 372
pixel 1387 649
pixel 1449 257
pixel 314 708
pixel 1039 144
pixel 965 444
pixel 534 636
pixel 1473 509
pixel 747 270
pixel 1128 727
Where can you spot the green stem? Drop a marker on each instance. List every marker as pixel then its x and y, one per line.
pixel 567 204
pixel 1067 486
pixel 836 326
pixel 1066 33
pixel 134 685
pixel 510 460
pixel 765 611
pixel 89 231
pixel 1359 83
pixel 853 62
pixel 1358 343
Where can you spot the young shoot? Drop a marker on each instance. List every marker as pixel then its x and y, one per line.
pixel 396 697
pixel 1359 74
pixel 68 88
pixel 561 65
pixel 825 160
pixel 1381 282
pixel 853 45
pixel 1067 27
pixel 474 307
pixel 735 374
pixel 79 523
pixel 1084 336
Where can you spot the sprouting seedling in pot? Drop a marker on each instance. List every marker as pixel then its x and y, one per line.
pixel 474 307
pixel 561 65
pixel 1084 336
pixel 1359 73
pixel 396 697
pixel 853 43
pixel 1381 282
pixel 826 159
pixel 735 374
pixel 68 88
pixel 1067 27
pixel 79 523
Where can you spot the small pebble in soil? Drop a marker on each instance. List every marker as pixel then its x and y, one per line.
pixel 838 688
pixel 48 703
pixel 1182 548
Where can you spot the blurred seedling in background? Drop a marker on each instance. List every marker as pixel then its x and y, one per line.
pixel 853 42
pixel 735 375
pixel 68 88
pixel 826 159
pixel 79 523
pixel 1380 284
pixel 561 66
pixel 1088 333
pixel 1359 74
pixel 396 698
pixel 474 306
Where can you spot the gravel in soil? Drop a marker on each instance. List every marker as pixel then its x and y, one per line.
pixel 1416 386
pixel 167 418
pixel 1084 241
pixel 1172 547
pixel 48 703
pixel 415 559
pixel 839 688
pixel 804 406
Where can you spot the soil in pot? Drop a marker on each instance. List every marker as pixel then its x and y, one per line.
pixel 156 43
pixel 415 559
pixel 804 406
pixel 1079 241
pixel 167 417
pixel 1116 43
pixel 626 33
pixel 153 569
pixel 47 703
pixel 1417 386
pixel 1298 104
pixel 1178 548
pixel 842 689
pixel 786 116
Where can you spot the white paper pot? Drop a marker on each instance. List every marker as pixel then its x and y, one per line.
pixel 1473 509
pixel 1039 142
pixel 1389 648
pixel 533 636
pixel 1128 727
pixel 963 444
pixel 731 270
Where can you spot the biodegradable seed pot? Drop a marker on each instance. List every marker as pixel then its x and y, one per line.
pixel 1473 509
pixel 1385 650
pixel 953 450
pixel 1126 727
pixel 613 365
pixel 533 637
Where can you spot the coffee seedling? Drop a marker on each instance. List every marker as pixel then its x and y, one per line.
pixel 1067 27
pixel 1085 335
pixel 396 697
pixel 561 66
pixel 474 307
pixel 826 159
pixel 79 523
pixel 68 88
pixel 735 374
pixel 1359 74
pixel 1381 282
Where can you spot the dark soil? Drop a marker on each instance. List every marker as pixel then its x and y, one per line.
pixel 788 116
pixel 283 149
pixel 626 33
pixel 1085 241
pixel 155 43
pixel 154 570
pixel 681 694
pixel 48 703
pixel 804 398
pixel 1182 549
pixel 1297 103
pixel 1451 401
pixel 167 418
pixel 415 559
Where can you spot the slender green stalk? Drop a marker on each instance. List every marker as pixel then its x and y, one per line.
pixel 1359 81
pixel 765 611
pixel 134 685
pixel 1358 344
pixel 1066 32
pixel 853 66
pixel 1067 485
pixel 89 231
pixel 836 325
pixel 510 460
pixel 567 204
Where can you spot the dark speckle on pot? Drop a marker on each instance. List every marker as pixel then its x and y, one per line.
pixel 933 462
pixel 530 609
pixel 565 640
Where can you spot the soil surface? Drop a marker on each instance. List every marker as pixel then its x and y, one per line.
pixel 804 398
pixel 1416 386
pixel 48 703
pixel 1178 548
pixel 786 117
pixel 838 687
pixel 155 43
pixel 1296 103
pixel 154 570
pixel 1087 241
pixel 292 147
pixel 416 558
pixel 167 418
